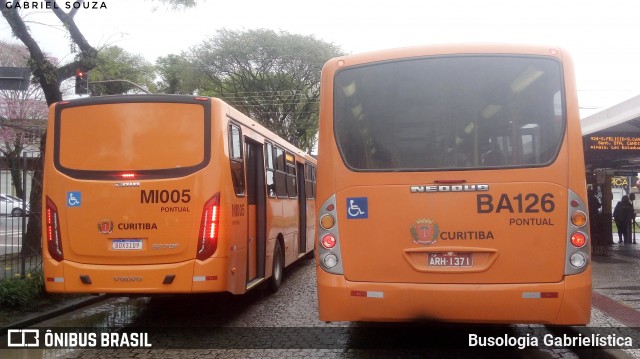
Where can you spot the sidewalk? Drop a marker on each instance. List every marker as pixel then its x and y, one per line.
pixel 616 284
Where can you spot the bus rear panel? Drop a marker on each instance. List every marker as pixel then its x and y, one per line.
pixel 452 188
pixel 124 196
pixel 170 194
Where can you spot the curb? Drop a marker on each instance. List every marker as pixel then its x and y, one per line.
pixel 65 308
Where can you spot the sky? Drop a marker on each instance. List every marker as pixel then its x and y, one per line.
pixel 602 36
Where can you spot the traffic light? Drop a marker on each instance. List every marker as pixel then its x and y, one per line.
pixel 82 82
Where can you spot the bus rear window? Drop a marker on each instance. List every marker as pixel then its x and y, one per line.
pixel 132 136
pixel 455 112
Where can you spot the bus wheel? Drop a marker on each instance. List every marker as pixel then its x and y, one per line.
pixel 278 268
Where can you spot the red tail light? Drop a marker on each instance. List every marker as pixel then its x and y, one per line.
pixel 128 175
pixel 209 228
pixel 578 239
pixel 328 241
pixel 54 240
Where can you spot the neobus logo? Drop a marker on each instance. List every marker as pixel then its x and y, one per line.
pixel 450 188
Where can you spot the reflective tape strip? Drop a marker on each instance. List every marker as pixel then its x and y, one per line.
pixel 539 295
pixel 55 279
pixel 199 278
pixel 367 294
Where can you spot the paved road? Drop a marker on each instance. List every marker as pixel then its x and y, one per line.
pixel 285 324
pixel 280 325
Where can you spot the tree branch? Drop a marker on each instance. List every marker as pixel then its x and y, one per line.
pixel 42 68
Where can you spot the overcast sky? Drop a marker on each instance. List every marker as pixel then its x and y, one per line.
pixel 603 37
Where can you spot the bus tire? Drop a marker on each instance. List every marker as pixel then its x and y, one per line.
pixel 278 268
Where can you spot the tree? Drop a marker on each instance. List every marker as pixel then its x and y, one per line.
pixel 50 76
pixel 115 64
pixel 22 116
pixel 272 77
pixel 177 75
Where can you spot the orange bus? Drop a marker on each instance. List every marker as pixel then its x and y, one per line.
pixel 452 187
pixel 170 194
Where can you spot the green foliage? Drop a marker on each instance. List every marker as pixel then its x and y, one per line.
pixel 177 75
pixel 271 77
pixel 115 64
pixel 21 292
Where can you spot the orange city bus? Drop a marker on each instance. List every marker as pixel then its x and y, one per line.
pixel 452 187
pixel 170 194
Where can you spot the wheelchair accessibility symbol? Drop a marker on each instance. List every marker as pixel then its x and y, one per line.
pixel 357 208
pixel 74 199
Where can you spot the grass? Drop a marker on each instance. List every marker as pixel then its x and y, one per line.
pixel 20 292
pixel 21 297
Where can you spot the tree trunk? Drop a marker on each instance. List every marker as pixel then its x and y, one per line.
pixel 16 173
pixel 31 242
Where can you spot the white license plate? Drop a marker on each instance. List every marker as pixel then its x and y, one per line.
pixel 450 259
pixel 126 244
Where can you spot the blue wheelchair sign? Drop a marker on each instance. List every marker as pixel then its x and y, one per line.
pixel 74 199
pixel 357 208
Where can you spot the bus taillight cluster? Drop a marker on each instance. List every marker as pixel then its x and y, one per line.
pixel 209 228
pixel 54 241
pixel 577 248
pixel 329 249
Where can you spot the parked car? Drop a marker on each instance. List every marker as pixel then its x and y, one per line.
pixel 12 205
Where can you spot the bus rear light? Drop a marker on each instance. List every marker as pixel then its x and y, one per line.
pixel 578 260
pixel 330 260
pixel 328 241
pixel 128 175
pixel 578 239
pixel 327 221
pixel 578 247
pixel 450 181
pixel 209 228
pixel 327 245
pixel 54 240
pixel 578 218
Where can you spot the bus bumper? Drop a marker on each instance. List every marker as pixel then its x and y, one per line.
pixel 564 303
pixel 184 277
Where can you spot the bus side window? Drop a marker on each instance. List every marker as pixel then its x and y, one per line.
pixel 310 180
pixel 292 188
pixel 281 174
pixel 271 181
pixel 235 158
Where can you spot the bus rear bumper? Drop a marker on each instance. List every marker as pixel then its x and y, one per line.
pixel 564 303
pixel 184 277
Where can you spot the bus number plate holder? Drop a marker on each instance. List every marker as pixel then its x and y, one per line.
pixel 450 259
pixel 126 244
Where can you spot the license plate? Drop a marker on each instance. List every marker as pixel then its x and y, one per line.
pixel 126 244
pixel 450 259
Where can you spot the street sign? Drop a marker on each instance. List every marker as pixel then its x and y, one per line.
pixel 15 78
